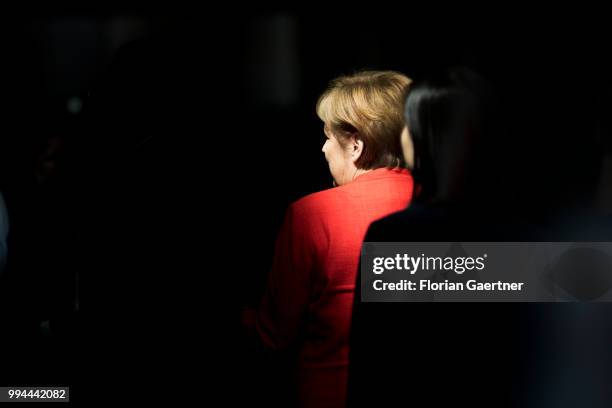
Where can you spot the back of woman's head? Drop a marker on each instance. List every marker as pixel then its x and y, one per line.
pixel 367 105
pixel 452 121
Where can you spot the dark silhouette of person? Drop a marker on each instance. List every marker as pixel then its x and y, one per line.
pixel 445 353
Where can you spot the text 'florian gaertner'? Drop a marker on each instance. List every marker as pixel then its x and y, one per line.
pixel 459 265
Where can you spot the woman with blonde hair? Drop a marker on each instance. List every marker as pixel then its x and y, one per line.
pixel 309 296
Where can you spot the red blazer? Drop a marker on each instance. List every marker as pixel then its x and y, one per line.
pixel 309 295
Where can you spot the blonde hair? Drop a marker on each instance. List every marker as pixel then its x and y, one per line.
pixel 368 105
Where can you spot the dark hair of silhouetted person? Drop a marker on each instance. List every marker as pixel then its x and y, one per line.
pixel 451 117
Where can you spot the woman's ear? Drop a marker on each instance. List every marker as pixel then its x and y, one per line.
pixel 356 148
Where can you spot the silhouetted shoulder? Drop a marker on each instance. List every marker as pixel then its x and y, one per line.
pixel 441 224
pixel 412 224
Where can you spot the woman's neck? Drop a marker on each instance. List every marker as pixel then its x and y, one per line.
pixel 359 172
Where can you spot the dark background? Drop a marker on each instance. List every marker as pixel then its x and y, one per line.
pixel 147 159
